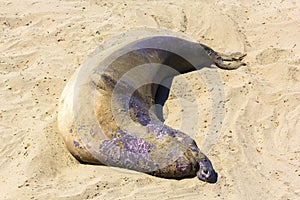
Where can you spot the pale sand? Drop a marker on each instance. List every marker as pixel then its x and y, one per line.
pixel 257 154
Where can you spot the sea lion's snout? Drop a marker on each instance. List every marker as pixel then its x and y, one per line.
pixel 206 171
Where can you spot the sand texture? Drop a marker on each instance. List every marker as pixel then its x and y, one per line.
pixel 257 154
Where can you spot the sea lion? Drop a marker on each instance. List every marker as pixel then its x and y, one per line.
pixel 106 113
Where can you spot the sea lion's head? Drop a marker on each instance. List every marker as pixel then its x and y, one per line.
pixel 206 171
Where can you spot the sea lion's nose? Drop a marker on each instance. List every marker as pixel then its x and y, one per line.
pixel 212 178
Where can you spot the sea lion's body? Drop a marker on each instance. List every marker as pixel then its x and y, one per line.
pixel 107 115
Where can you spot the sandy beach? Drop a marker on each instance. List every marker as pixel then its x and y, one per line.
pixel 257 154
